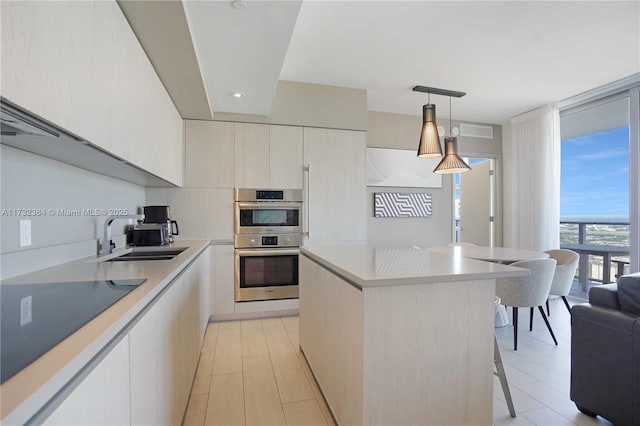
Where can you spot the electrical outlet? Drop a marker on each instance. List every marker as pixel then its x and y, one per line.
pixel 25 310
pixel 25 233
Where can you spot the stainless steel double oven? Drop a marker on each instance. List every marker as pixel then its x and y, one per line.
pixel 268 234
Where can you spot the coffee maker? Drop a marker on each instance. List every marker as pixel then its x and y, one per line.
pixel 157 228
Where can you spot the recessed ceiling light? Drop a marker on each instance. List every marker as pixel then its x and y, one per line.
pixel 236 95
pixel 239 4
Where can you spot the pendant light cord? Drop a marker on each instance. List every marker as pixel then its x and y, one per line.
pixel 450 132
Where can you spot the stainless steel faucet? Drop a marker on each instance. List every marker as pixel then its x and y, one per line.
pixel 106 246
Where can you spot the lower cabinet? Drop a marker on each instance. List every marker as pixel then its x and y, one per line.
pixel 165 346
pixel 146 379
pixel 103 396
pixel 223 294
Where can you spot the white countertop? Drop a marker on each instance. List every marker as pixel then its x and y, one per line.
pixel 32 387
pixel 492 254
pixel 371 265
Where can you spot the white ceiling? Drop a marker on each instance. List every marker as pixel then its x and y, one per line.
pixel 241 50
pixel 508 56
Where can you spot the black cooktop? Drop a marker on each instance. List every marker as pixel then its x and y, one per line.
pixel 36 317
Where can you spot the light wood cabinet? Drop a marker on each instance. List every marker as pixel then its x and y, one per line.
pixel 243 155
pixel 146 129
pixel 331 330
pixel 223 294
pixel 205 272
pixel 147 359
pixel 103 396
pixel 209 152
pixel 285 157
pixel 336 180
pixel 165 346
pixel 37 55
pixel 385 355
pixel 80 66
pixel 252 155
pixel 268 156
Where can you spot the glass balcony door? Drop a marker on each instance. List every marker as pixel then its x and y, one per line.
pixel 596 187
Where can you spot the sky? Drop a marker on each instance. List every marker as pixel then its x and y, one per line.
pixel 594 176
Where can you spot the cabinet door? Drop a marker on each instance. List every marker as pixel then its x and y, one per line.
pixel 285 157
pixel 103 396
pixel 162 361
pixel 127 141
pixel 46 59
pixel 80 66
pixel 182 341
pixel 336 196
pixel 251 155
pixel 103 76
pixel 163 129
pixel 174 138
pixel 148 370
pixel 223 301
pixel 209 154
pixel 206 271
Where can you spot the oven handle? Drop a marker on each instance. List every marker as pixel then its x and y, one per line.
pixel 267 252
pixel 269 205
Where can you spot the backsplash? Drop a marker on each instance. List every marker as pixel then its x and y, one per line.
pixel 203 213
pixel 67 207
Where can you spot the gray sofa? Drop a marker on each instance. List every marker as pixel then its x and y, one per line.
pixel 605 352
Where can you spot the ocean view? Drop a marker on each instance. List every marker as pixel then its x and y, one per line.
pixel 596 204
pixel 600 230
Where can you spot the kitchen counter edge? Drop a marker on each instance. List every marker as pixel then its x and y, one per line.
pixel 338 258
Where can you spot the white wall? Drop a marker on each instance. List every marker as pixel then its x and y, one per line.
pixel 30 181
pixel 201 213
pixel 432 231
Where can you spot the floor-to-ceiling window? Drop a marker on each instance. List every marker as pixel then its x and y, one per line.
pixel 599 144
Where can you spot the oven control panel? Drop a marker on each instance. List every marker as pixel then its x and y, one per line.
pixel 270 241
pixel 266 241
pixel 267 195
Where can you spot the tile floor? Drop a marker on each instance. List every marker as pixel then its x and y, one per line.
pixel 251 373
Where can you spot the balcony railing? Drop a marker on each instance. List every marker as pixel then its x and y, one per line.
pixel 603 245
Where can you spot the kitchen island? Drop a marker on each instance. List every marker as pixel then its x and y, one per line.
pixel 399 335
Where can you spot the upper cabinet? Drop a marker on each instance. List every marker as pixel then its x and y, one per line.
pixel 268 156
pixel 209 154
pixel 285 157
pixel 80 66
pixel 252 155
pixel 243 155
pixel 336 184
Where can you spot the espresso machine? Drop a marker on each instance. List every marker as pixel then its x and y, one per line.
pixel 157 229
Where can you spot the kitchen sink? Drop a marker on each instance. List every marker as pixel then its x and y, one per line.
pixel 148 254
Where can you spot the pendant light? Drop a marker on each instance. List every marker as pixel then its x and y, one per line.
pixel 451 162
pixel 429 139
